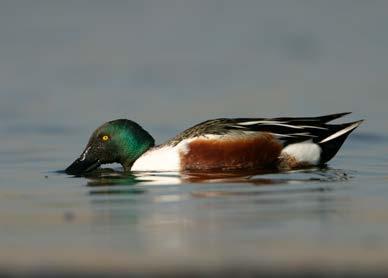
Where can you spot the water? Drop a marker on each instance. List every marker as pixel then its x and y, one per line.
pixel 68 67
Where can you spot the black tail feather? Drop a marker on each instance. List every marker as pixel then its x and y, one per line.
pixel 329 118
pixel 316 120
pixel 331 146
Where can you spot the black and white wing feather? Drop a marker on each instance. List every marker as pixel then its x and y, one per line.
pixel 288 130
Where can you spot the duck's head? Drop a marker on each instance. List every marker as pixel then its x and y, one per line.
pixel 122 141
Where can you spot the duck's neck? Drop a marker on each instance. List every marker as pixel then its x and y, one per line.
pixel 133 145
pixel 128 163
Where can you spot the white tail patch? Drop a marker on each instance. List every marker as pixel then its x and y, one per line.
pixel 304 152
pixel 341 132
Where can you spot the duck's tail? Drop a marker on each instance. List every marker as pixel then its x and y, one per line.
pixel 332 143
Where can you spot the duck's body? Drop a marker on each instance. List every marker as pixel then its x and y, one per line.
pixel 220 144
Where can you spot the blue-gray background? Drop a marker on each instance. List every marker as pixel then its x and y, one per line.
pixel 84 62
pixel 68 66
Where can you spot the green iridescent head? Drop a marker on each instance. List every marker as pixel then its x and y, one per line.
pixel 122 141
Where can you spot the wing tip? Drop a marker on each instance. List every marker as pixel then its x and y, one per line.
pixel 353 125
pixel 348 127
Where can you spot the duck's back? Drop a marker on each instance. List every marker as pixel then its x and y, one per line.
pixel 249 143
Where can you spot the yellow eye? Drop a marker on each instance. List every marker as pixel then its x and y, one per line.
pixel 105 138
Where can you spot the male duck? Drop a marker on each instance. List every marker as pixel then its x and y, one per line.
pixel 220 144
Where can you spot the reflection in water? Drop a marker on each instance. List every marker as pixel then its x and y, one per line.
pixel 205 211
pixel 109 181
pixel 168 205
pixel 110 177
pixel 110 191
pixel 212 194
pixel 268 178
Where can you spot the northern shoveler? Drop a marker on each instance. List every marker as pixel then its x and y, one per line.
pixel 219 144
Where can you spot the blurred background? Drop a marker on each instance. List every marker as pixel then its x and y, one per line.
pixel 68 66
pixel 174 63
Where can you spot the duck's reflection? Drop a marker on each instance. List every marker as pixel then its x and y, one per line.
pixel 109 177
pixel 210 208
pixel 111 181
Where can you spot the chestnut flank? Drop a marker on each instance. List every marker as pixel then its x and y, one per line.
pixel 253 152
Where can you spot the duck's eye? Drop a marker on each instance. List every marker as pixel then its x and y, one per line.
pixel 105 138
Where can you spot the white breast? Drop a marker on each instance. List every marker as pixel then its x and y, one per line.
pixel 160 159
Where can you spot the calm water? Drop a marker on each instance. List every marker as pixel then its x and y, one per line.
pixel 68 67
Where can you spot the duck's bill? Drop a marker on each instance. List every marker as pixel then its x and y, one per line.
pixel 82 166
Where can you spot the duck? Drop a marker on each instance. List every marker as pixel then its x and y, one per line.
pixel 223 144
